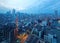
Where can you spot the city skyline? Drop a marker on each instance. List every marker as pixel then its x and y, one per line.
pixel 29 6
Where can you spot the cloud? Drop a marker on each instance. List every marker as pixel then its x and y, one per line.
pixel 31 5
pixel 18 4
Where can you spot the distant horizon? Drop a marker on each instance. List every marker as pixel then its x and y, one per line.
pixel 29 6
pixel 22 11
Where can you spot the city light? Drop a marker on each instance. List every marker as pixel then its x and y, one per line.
pixel 24 21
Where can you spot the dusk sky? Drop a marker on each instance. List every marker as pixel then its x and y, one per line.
pixel 31 5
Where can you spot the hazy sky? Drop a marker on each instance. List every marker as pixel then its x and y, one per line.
pixel 34 4
pixel 17 4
